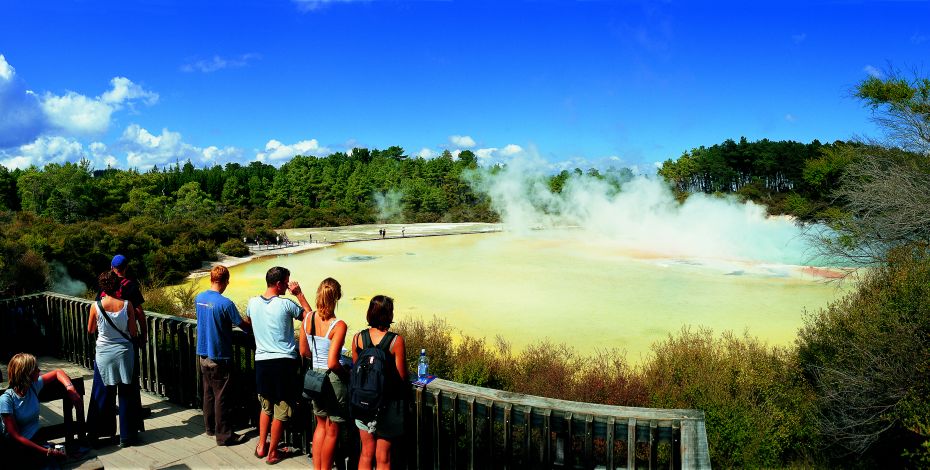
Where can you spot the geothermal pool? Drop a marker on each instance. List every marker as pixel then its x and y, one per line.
pixel 553 285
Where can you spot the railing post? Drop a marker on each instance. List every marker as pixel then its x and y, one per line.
pixel 437 430
pixel 611 424
pixel 569 448
pixel 589 441
pixel 508 430
pixel 547 438
pixel 419 433
pixel 653 444
pixel 454 437
pixel 489 412
pixel 631 443
pixel 528 431
pixel 471 433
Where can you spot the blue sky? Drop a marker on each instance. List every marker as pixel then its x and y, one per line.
pixel 576 83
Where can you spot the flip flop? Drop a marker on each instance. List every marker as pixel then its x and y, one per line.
pixel 274 461
pixel 261 456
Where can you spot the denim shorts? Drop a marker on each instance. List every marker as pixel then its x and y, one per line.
pixel 389 423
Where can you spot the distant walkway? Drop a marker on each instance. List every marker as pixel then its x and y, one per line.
pixel 173 439
pixel 305 239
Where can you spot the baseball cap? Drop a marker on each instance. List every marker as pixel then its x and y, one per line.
pixel 119 261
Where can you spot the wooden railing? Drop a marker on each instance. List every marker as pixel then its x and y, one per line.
pixel 449 425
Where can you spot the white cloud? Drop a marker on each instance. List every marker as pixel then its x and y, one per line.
pixel 21 116
pixel 310 5
pixel 216 155
pixel 275 150
pixel 798 38
pixel 462 141
pixel 511 150
pixel 918 38
pixel 218 63
pixel 78 114
pixel 144 149
pixel 427 153
pixel 124 90
pixel 6 70
pixel 791 117
pixel 494 155
pixel 873 71
pixel 485 154
pixel 100 156
pixel 42 151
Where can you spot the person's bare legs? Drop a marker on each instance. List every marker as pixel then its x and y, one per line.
pixel 277 430
pixel 368 450
pixel 329 443
pixel 264 422
pixel 318 435
pixel 383 454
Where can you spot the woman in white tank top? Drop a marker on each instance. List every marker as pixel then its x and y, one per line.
pixel 324 349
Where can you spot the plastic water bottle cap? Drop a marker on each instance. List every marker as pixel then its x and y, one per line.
pixel 423 351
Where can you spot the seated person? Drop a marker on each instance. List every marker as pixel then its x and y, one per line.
pixel 23 438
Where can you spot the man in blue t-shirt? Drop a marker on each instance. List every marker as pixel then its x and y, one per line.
pixel 216 315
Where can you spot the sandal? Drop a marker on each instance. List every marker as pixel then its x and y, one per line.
pixel 274 460
pixel 258 454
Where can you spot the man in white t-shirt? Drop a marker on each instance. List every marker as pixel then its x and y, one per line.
pixel 277 361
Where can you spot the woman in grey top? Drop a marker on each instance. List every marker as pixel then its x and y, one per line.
pixel 114 360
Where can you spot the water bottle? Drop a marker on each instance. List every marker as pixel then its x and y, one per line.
pixel 423 366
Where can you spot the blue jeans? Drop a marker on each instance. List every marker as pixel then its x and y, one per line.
pixel 101 421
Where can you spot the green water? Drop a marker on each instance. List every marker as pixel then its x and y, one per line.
pixel 550 285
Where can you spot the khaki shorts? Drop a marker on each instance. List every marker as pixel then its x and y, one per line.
pixel 332 401
pixel 281 411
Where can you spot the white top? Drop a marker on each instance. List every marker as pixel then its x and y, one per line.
pixel 106 335
pixel 323 343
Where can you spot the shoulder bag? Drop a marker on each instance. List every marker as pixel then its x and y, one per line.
pixel 313 378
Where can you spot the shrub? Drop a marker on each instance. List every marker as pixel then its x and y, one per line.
pixel 759 411
pixel 177 300
pixel 234 247
pixel 868 357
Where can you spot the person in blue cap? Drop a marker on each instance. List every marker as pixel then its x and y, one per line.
pixel 104 424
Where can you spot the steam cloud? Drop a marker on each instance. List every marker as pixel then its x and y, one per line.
pixel 63 283
pixel 389 205
pixel 643 217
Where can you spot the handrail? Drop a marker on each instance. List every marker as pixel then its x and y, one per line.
pixel 448 424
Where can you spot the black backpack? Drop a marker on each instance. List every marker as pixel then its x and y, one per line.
pixel 369 374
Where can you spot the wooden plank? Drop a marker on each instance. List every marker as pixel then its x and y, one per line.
pixel 547 438
pixel 489 412
pixel 454 437
pixel 619 412
pixel 437 429
pixel 611 424
pixel 471 433
pixel 508 430
pixel 589 441
pixel 631 443
pixel 703 450
pixel 419 426
pixel 528 437
pixel 569 459
pixel 653 444
pixel 688 444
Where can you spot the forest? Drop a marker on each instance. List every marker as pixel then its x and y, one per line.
pixel 69 219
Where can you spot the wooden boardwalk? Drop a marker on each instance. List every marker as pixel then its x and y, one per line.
pixel 173 439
